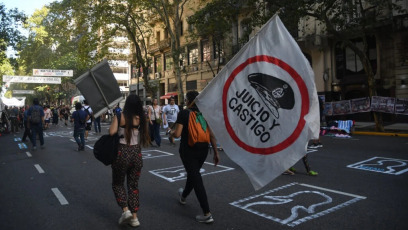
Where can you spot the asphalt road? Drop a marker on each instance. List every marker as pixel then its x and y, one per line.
pixel 362 184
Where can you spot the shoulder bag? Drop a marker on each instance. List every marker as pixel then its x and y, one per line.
pixel 106 148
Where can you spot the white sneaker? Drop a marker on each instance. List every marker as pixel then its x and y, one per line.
pixel 134 222
pixel 205 219
pixel 125 218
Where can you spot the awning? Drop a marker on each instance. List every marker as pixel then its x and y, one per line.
pixel 168 95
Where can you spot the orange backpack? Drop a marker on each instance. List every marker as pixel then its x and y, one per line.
pixel 196 133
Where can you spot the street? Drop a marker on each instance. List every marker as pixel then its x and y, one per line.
pixel 362 184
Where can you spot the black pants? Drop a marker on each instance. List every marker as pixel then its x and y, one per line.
pixel 27 132
pixel 193 161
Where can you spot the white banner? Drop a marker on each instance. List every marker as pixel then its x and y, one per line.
pixel 53 73
pixel 31 79
pixel 23 91
pixel 267 108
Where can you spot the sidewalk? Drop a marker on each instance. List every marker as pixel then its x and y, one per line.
pixel 390 129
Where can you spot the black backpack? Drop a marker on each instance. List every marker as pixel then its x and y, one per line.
pixel 88 113
pixel 106 148
pixel 35 115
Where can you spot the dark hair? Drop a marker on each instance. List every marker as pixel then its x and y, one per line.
pixel 78 106
pixel 191 95
pixel 85 102
pixel 172 98
pixel 133 107
pixel 35 101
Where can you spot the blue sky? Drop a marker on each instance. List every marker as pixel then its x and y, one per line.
pixel 28 6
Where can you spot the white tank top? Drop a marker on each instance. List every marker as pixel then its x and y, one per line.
pixel 134 140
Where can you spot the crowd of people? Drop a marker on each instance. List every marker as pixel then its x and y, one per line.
pixel 137 126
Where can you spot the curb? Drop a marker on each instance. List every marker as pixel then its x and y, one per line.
pixel 380 134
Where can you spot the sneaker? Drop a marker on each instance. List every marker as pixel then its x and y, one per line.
pixel 125 218
pixel 319 145
pixel 313 173
pixel 313 146
pixel 205 219
pixel 292 169
pixel 182 200
pixel 288 172
pixel 134 222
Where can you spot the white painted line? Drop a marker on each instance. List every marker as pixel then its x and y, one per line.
pixel 59 196
pixel 72 140
pixel 39 169
pixel 29 154
pixel 334 191
pixel 89 146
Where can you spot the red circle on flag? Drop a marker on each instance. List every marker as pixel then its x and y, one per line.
pixel 304 105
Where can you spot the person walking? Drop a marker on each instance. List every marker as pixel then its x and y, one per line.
pixel 47 116
pixel 13 114
pixel 89 112
pixel 35 121
pixel 55 113
pixel 27 132
pixel 79 118
pixel 97 124
pixel 193 158
pixel 154 114
pixel 128 164
pixel 170 113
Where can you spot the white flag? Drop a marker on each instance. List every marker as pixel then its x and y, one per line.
pixel 263 105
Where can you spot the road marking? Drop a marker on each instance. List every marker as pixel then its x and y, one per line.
pixel 29 154
pixel 334 191
pixel 17 139
pixel 292 205
pixel 89 146
pixel 39 169
pixel 22 146
pixel 72 140
pixel 385 165
pixel 59 196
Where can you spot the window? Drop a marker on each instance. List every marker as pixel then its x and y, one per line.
pixel 157 36
pixel 218 49
pixel 349 64
pixel 182 58
pixel 191 85
pixel 172 87
pixel 205 51
pixel 157 64
pixel 192 55
pixel 168 61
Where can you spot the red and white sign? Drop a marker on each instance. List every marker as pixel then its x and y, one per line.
pixel 267 108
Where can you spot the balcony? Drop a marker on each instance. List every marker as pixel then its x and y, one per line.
pixel 159 46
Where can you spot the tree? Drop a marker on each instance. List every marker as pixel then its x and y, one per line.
pixel 170 13
pixel 9 34
pixel 215 21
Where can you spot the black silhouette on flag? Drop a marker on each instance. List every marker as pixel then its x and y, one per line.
pixel 100 88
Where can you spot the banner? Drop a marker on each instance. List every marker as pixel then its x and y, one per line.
pixel 53 73
pixel 341 107
pixel 100 88
pixel 31 79
pixel 266 106
pixel 23 91
pixel 360 105
pixel 382 104
pixel 401 106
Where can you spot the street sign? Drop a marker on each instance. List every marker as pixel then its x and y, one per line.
pixel 23 91
pixel 53 73
pixel 31 79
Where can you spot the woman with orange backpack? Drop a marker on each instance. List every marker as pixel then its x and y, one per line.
pixel 196 136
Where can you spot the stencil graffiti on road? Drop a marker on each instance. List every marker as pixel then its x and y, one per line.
pixel 22 146
pixel 68 134
pixel 154 154
pixel 296 203
pixel 382 165
pixel 177 173
pixel 17 139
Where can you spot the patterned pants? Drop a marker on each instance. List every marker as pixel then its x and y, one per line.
pixel 128 164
